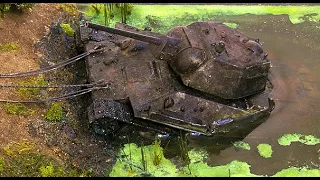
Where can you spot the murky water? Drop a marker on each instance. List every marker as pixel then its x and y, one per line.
pixel 294 53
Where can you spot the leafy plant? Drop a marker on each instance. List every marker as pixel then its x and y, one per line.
pixel 55 112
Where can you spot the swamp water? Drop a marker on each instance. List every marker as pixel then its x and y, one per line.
pixel 294 54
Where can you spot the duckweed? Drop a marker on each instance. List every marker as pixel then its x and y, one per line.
pixel 287 139
pixel 126 166
pixel 265 150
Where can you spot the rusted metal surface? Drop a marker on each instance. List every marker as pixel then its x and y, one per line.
pixel 213 81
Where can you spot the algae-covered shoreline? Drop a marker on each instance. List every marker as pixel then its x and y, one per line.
pixel 163 17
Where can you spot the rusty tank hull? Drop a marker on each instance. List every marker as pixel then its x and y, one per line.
pixel 147 91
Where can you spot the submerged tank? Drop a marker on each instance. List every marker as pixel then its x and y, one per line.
pixel 205 78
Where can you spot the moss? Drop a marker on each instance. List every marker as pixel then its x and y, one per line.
pixel 55 112
pixel 67 29
pixel 22 159
pixel 241 145
pixel 18 109
pixel 69 8
pixel 11 46
pixel 287 139
pixel 31 93
pixel 298 172
pixel 1 164
pixel 265 150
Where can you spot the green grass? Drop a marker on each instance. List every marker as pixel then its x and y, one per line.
pixel 161 16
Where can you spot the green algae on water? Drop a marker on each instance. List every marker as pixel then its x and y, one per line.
pixel 242 145
pixel 159 17
pixel 233 169
pixel 130 163
pixel 265 150
pixel 298 172
pixel 287 139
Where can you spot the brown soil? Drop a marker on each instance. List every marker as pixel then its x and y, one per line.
pixel 25 30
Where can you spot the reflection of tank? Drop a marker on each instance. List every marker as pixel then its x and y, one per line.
pixel 204 77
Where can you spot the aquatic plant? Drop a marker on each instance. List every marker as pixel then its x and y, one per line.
pixel 196 168
pixel 265 150
pixel 241 145
pixel 11 46
pixel 157 153
pixel 287 139
pixel 122 168
pixel 55 112
pixel 67 29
